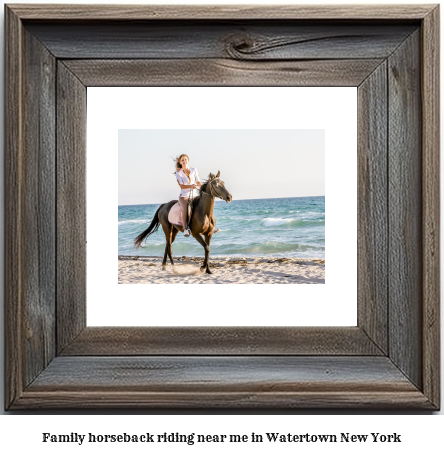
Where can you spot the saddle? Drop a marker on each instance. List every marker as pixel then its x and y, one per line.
pixel 175 214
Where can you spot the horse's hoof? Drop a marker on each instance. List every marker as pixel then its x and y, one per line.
pixel 163 267
pixel 208 272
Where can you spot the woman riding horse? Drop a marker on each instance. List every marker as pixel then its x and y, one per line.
pixel 201 224
pixel 188 179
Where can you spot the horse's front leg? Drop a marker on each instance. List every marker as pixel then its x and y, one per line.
pixel 199 239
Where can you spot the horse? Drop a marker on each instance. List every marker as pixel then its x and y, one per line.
pixel 202 220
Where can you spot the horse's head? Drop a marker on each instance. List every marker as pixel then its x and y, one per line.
pixel 217 188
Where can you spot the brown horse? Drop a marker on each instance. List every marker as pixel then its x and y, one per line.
pixel 202 220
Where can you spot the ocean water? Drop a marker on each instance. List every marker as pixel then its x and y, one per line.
pixel 275 227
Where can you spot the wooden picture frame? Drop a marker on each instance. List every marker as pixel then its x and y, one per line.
pixel 389 360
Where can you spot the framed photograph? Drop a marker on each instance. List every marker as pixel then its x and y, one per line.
pixel 58 55
pixel 274 232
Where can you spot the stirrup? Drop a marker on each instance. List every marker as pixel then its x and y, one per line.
pixel 187 232
pixel 215 230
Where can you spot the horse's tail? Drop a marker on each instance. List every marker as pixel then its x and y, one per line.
pixel 154 226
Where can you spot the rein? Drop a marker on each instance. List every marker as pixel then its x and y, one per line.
pixel 190 200
pixel 191 196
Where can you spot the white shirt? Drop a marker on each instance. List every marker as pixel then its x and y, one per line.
pixel 183 179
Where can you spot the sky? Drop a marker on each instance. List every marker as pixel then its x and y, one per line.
pixel 254 164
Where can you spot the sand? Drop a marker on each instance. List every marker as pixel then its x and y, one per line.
pixel 226 270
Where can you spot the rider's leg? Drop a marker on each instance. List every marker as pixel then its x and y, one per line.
pixel 184 207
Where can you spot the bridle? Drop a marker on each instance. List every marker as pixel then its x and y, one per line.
pixel 212 191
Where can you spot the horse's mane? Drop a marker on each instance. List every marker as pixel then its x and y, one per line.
pixel 204 185
pixel 203 188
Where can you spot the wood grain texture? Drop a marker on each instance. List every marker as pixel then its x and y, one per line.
pixel 405 209
pixel 209 373
pixel 13 209
pixel 224 12
pixel 225 400
pixel 372 207
pixel 71 206
pixel 221 72
pixel 236 40
pixel 38 220
pixel 127 341
pixel 431 208
pixel 232 382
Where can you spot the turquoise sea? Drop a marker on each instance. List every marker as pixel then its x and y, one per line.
pixel 275 227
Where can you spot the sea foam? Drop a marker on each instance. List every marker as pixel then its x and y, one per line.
pixel 124 222
pixel 277 221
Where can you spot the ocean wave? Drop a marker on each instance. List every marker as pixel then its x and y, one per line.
pixel 267 248
pixel 289 222
pixel 277 221
pixel 124 222
pixel 259 248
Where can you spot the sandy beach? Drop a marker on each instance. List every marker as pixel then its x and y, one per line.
pixel 226 270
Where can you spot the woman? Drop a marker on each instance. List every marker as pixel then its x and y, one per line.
pixel 188 179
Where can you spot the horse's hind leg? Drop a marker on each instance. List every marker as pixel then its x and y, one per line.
pixel 167 247
pixel 164 262
pixel 174 232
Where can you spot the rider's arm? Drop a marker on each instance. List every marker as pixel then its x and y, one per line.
pixel 197 178
pixel 180 180
pixel 183 186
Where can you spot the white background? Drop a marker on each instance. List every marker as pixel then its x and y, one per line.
pixel 329 304
pixel 423 434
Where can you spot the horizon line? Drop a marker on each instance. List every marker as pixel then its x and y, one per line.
pixel 245 199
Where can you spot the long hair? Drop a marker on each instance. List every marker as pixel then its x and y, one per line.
pixel 177 161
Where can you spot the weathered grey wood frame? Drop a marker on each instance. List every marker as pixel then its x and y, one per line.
pixel 390 360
